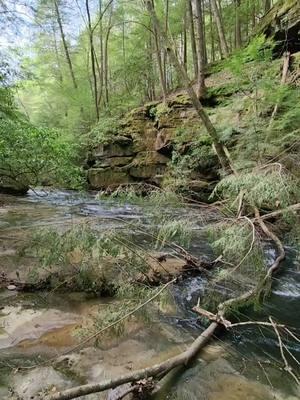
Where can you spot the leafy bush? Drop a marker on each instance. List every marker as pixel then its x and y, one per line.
pixel 31 156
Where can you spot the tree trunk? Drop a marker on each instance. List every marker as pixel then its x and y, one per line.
pixel 253 15
pixel 93 61
pixel 101 73
pixel 224 161
pixel 159 62
pixel 238 30
pixel 184 49
pixel 60 76
pixel 268 5
pixel 220 28
pixel 65 45
pixel 193 39
pixel 204 32
pixel 201 64
pixel 212 35
pixel 106 89
pixel 163 368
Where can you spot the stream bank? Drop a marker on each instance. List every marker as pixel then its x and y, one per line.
pixel 38 326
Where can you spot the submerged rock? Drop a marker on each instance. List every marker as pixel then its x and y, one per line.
pixel 36 383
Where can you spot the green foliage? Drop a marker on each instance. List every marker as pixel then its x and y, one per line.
pixel 105 130
pixel 161 109
pixel 233 242
pixel 267 188
pixel 145 195
pixel 259 50
pixel 179 231
pixel 98 261
pixel 30 156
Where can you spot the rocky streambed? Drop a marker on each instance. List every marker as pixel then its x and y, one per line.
pixel 42 326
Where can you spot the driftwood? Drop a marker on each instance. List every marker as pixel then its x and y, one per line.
pixel 183 358
pixel 274 214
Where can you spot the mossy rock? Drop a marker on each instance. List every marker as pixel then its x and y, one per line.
pixel 114 162
pixel 100 178
pixel 147 171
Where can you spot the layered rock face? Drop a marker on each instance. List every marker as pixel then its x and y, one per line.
pixel 142 149
pixel 282 23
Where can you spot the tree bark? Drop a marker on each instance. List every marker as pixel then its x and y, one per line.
pixel 268 5
pixel 106 89
pixel 212 35
pixel 101 72
pixel 193 38
pixel 184 47
pixel 224 161
pixel 238 30
pixel 159 62
pixel 220 28
pixel 156 370
pixel 201 63
pixel 65 45
pixel 93 61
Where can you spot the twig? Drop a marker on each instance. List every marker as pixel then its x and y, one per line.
pixel 287 367
pixel 266 375
pixel 291 333
pixel 96 334
pixel 294 207
pixel 251 246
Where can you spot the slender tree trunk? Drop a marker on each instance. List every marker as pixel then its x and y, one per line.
pixel 184 50
pixel 204 32
pixel 60 75
pixel 238 30
pixel 159 62
pixel 101 77
pixel 93 61
pixel 193 39
pixel 106 64
pixel 224 161
pixel 220 28
pixel 65 45
pixel 212 35
pixel 253 14
pixel 268 5
pixel 165 54
pixel 201 63
pixel 247 21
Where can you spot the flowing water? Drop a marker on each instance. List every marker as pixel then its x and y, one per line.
pixel 243 364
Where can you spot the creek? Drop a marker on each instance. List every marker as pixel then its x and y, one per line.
pixel 242 364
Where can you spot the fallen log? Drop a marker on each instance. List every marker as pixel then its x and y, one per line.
pixel 183 358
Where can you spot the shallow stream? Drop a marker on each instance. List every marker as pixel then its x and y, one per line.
pixel 243 364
